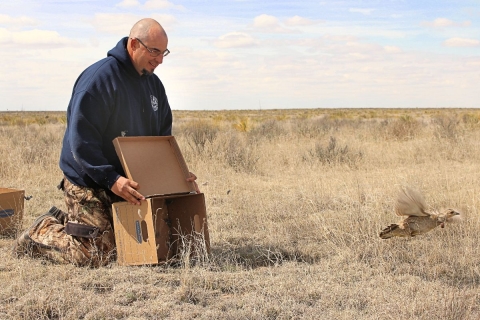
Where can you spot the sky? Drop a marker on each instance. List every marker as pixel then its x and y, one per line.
pixel 243 54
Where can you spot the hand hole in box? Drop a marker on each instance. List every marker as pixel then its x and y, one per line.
pixel 144 231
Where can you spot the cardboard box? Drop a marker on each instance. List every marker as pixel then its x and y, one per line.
pixel 11 210
pixel 172 221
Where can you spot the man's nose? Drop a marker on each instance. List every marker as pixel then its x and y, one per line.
pixel 159 59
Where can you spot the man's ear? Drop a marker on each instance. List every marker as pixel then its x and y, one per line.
pixel 132 44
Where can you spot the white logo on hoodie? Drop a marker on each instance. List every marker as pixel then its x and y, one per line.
pixel 154 101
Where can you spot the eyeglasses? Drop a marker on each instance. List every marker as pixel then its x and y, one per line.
pixel 154 52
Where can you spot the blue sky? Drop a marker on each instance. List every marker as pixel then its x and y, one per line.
pixel 254 54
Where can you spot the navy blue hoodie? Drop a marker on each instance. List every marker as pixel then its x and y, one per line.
pixel 110 99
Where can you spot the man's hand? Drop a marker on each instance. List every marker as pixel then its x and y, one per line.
pixel 127 189
pixel 192 178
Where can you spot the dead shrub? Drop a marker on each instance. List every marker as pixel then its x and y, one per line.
pixel 315 127
pixel 334 154
pixel 269 130
pixel 243 125
pixel 446 127
pixel 404 128
pixel 237 153
pixel 471 121
pixel 200 133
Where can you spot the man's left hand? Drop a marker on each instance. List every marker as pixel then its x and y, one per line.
pixel 192 178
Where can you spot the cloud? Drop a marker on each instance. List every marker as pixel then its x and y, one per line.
pixel 461 42
pixel 392 49
pixel 270 24
pixel 121 23
pixel 444 22
pixel 158 4
pixel 118 24
pixel 364 11
pixel 347 69
pixel 34 37
pixel 265 21
pixel 149 4
pixel 340 38
pixel 17 22
pixel 299 21
pixel 128 4
pixel 235 40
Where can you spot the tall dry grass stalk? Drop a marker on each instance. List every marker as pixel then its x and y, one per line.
pixel 293 219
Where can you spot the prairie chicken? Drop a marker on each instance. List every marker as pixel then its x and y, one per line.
pixel 411 205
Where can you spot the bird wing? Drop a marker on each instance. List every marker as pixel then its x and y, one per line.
pixel 410 203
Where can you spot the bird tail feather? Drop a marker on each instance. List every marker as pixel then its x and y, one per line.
pixel 393 230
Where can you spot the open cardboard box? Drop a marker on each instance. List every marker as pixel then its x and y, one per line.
pixel 11 210
pixel 173 219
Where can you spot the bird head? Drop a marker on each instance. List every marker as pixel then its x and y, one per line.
pixel 447 215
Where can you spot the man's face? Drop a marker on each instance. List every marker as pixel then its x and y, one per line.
pixel 144 61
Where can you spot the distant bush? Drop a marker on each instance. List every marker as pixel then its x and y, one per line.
pixel 243 125
pixel 237 153
pixel 314 127
pixel 446 127
pixel 471 121
pixel 199 133
pixel 403 128
pixel 334 154
pixel 269 130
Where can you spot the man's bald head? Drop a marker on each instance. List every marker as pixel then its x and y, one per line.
pixel 147 29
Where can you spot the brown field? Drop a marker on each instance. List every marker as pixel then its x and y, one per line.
pixel 295 202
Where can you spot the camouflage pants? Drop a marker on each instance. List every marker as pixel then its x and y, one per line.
pixel 86 208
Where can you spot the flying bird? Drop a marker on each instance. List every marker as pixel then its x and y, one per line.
pixel 417 220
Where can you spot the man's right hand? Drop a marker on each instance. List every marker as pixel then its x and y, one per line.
pixel 127 189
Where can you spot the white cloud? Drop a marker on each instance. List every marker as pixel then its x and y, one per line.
pixel 359 73
pixel 270 24
pixel 300 21
pixel 149 4
pixel 340 38
pixel 17 22
pixel 128 4
pixel 121 23
pixel 235 40
pixel 392 49
pixel 157 4
pixel 118 24
pixel 444 22
pixel 34 37
pixel 364 11
pixel 39 37
pixel 461 42
pixel 265 21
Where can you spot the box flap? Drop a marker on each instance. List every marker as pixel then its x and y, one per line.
pixel 156 163
pixel 133 234
pixel 11 210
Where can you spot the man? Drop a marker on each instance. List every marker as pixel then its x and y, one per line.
pixel 116 96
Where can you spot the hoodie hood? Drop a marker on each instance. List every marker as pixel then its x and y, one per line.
pixel 120 53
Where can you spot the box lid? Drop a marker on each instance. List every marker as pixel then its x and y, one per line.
pixel 156 163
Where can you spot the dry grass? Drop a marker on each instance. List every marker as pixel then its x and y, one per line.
pixel 293 220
